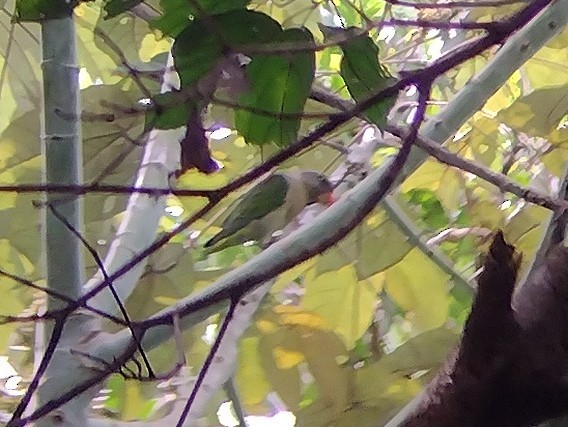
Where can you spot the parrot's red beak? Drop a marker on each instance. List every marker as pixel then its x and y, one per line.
pixel 326 199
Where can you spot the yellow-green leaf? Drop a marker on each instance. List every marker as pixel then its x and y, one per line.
pixel 250 377
pixel 347 304
pixel 419 287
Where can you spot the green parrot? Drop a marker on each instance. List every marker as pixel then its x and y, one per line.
pixel 271 205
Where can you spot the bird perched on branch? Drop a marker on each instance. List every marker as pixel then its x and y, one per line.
pixel 270 206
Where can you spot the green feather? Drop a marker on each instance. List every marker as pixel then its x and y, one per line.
pixel 261 200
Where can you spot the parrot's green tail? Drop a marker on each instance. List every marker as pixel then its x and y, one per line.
pixel 215 239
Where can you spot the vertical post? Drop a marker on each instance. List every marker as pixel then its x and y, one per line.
pixel 61 147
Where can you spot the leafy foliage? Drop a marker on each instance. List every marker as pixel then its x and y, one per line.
pixel 40 10
pixel 116 7
pixel 178 13
pixel 343 337
pixel 280 87
pixel 362 72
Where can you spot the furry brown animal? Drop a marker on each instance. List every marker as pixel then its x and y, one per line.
pixel 511 366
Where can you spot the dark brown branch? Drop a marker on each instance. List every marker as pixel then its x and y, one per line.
pixel 207 364
pixel 44 363
pixel 101 265
pixel 54 294
pixel 71 394
pixel 85 189
pixel 440 25
pixel 502 181
pixel 443 155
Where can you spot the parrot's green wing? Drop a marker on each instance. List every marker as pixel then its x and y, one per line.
pixel 261 200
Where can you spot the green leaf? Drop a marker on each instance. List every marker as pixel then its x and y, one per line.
pixel 170 111
pixel 177 14
pixel 374 382
pixel 116 7
pixel 525 230
pixel 285 380
pixel 431 210
pixel 41 10
pixel 360 248
pixel 250 376
pixel 194 60
pixel 107 155
pixel 419 287
pixel 130 31
pixel 538 113
pixel 325 357
pixel 363 74
pixel 128 398
pixel 346 304
pixel 280 85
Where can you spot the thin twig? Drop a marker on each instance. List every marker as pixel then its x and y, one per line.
pixel 54 294
pixel 111 287
pixel 45 360
pixel 114 47
pixel 502 181
pixel 207 364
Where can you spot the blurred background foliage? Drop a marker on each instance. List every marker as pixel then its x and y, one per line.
pixel 345 338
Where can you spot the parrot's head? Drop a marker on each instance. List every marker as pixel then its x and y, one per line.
pixel 319 188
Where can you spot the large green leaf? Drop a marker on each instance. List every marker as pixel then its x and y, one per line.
pixel 285 379
pixel 201 65
pixel 108 157
pixel 362 72
pixel 365 76
pixel 170 111
pixel 109 154
pixel 379 389
pixel 420 288
pixel 272 108
pixel 383 387
pixel 365 248
pixel 538 113
pixel 116 7
pixel 250 376
pixel 177 14
pixel 325 356
pixel 525 230
pixel 128 32
pixel 280 86
pixel 347 304
pixel 197 49
pixel 39 10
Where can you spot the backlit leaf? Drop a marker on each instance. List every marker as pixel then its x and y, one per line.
pixel 280 86
pixel 177 14
pixel 364 75
pixel 252 383
pixel 347 304
pixel 420 288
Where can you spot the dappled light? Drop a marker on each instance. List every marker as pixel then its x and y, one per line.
pixel 290 213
